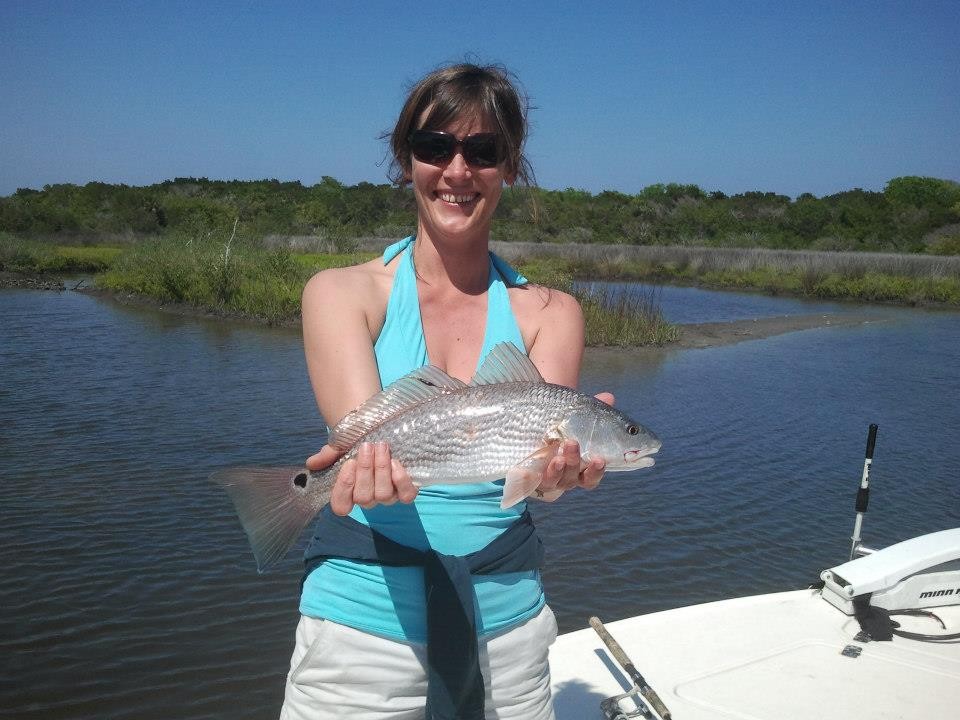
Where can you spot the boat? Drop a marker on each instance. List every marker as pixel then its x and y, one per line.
pixel 877 637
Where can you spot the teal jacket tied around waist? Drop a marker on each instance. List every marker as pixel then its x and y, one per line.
pixel 455 688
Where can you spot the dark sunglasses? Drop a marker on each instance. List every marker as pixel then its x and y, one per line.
pixel 436 148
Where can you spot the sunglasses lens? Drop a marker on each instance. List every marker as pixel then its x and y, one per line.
pixel 481 150
pixel 437 147
pixel 432 147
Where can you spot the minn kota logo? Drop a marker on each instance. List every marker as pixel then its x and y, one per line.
pixel 939 593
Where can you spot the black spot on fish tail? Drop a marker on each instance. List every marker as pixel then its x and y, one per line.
pixel 300 480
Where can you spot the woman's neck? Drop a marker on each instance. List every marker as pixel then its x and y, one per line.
pixel 463 264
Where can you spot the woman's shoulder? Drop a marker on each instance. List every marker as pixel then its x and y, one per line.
pixel 551 323
pixel 355 283
pixel 544 304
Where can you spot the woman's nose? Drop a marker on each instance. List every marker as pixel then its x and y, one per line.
pixel 457 167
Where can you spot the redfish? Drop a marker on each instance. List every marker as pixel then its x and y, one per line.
pixel 506 423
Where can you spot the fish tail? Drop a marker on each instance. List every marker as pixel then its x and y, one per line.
pixel 275 504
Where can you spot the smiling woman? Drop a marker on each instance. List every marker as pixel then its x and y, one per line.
pixel 386 628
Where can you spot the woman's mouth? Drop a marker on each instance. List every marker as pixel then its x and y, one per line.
pixel 457 198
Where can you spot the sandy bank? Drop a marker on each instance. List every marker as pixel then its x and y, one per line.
pixel 29 282
pixel 706 335
pixel 727 333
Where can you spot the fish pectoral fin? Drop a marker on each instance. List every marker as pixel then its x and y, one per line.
pixel 523 478
pixel 555 435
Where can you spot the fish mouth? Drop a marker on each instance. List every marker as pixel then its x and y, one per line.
pixel 640 458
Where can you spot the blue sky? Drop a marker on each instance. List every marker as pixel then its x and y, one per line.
pixel 734 96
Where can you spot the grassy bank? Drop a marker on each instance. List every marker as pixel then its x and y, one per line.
pixel 236 277
pixel 225 272
pixel 867 277
pixel 39 258
pixel 230 277
pixel 611 318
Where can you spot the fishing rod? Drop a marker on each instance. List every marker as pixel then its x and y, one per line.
pixel 863 497
pixel 639 683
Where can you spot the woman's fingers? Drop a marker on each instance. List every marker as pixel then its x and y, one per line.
pixel 363 489
pixel 570 465
pixel 606 397
pixel 341 498
pixel 406 490
pixel 562 470
pixel 592 473
pixel 569 470
pixel 383 490
pixel 326 457
pixel 371 478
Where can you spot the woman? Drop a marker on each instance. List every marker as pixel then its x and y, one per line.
pixel 439 297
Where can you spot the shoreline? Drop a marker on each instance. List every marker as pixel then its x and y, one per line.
pixel 704 335
pixel 701 336
pixel 12 280
pixel 692 336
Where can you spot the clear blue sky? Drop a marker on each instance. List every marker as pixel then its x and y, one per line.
pixel 734 96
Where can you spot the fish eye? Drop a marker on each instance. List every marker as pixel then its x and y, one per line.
pixel 633 429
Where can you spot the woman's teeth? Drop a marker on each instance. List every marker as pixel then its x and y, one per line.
pixel 450 198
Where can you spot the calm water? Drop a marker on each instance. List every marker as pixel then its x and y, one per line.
pixel 128 590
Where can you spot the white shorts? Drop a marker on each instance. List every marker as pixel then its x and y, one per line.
pixel 338 672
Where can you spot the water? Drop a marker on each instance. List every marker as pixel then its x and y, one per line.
pixel 128 589
pixel 685 305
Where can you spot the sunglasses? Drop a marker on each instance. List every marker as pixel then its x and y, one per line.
pixel 436 148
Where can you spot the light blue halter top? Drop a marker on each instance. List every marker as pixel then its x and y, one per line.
pixel 452 519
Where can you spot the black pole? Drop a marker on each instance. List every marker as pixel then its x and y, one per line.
pixel 863 493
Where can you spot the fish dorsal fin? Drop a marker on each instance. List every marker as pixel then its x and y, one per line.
pixel 506 363
pixel 412 389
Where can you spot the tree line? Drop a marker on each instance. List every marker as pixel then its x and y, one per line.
pixel 911 214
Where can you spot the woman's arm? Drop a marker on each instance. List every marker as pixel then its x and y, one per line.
pixel 337 340
pixel 341 311
pixel 557 351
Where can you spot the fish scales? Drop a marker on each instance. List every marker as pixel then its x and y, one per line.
pixel 476 434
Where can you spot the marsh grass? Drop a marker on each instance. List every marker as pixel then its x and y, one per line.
pixel 612 317
pixel 871 277
pixel 227 271
pixel 624 319
pixel 38 258
pixel 226 274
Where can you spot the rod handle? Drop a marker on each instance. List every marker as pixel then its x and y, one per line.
pixel 621 657
pixel 612 645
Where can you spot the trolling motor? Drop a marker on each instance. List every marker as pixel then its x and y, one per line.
pixel 907 578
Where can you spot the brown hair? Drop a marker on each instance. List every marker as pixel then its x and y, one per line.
pixel 451 92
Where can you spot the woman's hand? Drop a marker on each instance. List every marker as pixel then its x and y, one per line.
pixel 370 478
pixel 568 470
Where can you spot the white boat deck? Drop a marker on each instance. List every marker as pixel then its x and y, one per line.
pixel 765 657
